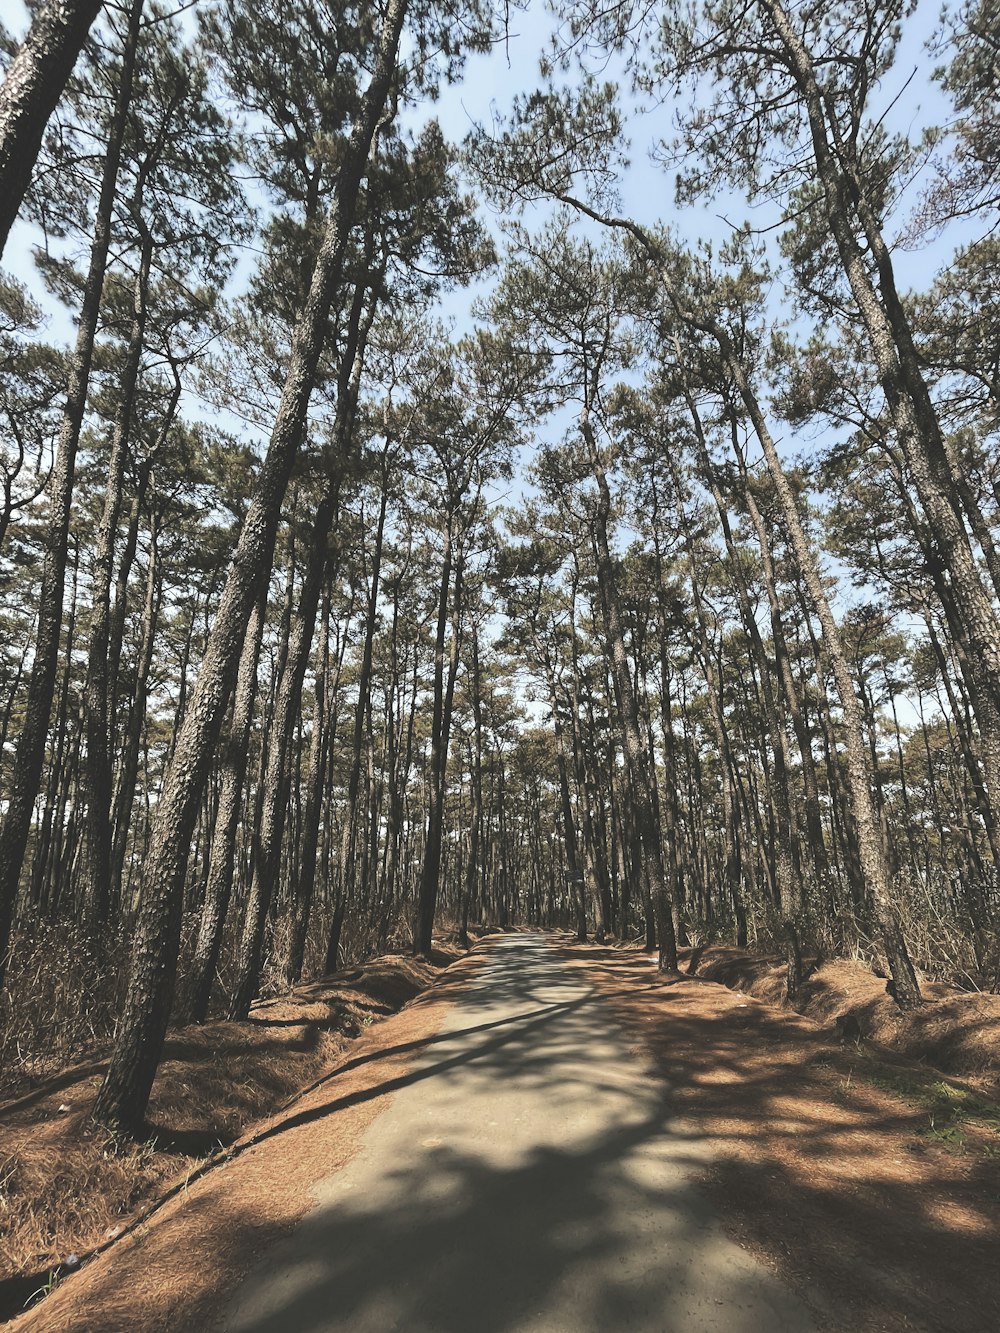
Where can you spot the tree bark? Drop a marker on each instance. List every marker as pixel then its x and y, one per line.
pixel 129 763
pixel 636 752
pixel 430 872
pixel 122 1100
pixel 35 81
pixel 305 875
pixel 788 883
pixel 469 894
pixel 219 885
pixel 901 377
pixel 349 831
pixel 30 754
pixel 871 848
pixel 97 776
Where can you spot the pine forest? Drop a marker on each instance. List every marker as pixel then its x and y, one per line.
pixel 471 467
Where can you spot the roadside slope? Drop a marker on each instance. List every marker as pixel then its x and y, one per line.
pixel 69 1189
pixel 856 1199
pixel 956 1031
pixel 884 1207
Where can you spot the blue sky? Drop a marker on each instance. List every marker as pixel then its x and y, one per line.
pixel 491 81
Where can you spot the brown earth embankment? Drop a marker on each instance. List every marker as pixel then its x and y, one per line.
pixel 954 1031
pixel 67 1187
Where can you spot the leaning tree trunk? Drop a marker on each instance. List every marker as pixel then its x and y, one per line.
pixel 222 856
pixel 871 848
pixel 123 1097
pixel 275 787
pixel 900 374
pixel 814 820
pixel 274 806
pixel 35 80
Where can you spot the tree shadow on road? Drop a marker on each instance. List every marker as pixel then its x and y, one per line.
pixel 832 1184
pixel 603 1227
pixel 838 1182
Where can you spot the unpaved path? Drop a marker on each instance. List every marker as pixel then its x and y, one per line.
pixel 553 1138
pixel 528 1177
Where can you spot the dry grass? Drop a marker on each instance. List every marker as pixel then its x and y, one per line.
pixel 62 1000
pixel 66 986
pixel 66 1186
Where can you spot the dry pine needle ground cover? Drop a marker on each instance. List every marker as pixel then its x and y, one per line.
pixel 832 1163
pixel 66 1187
pixel 956 1032
pixel 173 1272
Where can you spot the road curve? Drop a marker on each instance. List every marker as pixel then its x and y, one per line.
pixel 527 1178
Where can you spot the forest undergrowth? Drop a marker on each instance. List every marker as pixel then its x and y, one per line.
pixel 68 1186
pixel 66 988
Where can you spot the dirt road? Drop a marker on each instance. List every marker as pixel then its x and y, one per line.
pixel 526 1175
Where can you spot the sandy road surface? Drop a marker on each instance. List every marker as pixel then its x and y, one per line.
pixel 527 1177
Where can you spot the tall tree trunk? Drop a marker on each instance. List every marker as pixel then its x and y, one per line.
pixel 814 821
pixel 349 832
pixel 871 848
pixel 46 887
pixel 444 688
pixel 219 885
pixel 636 751
pixel 268 835
pixel 304 879
pixel 275 787
pixel 128 767
pixel 900 374
pixel 35 80
pixel 116 624
pixel 574 871
pixel 788 883
pixel 124 1094
pixel 97 776
pixel 30 753
pixel 476 792
pixel 593 877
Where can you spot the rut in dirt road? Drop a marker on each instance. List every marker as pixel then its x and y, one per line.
pixel 527 1176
